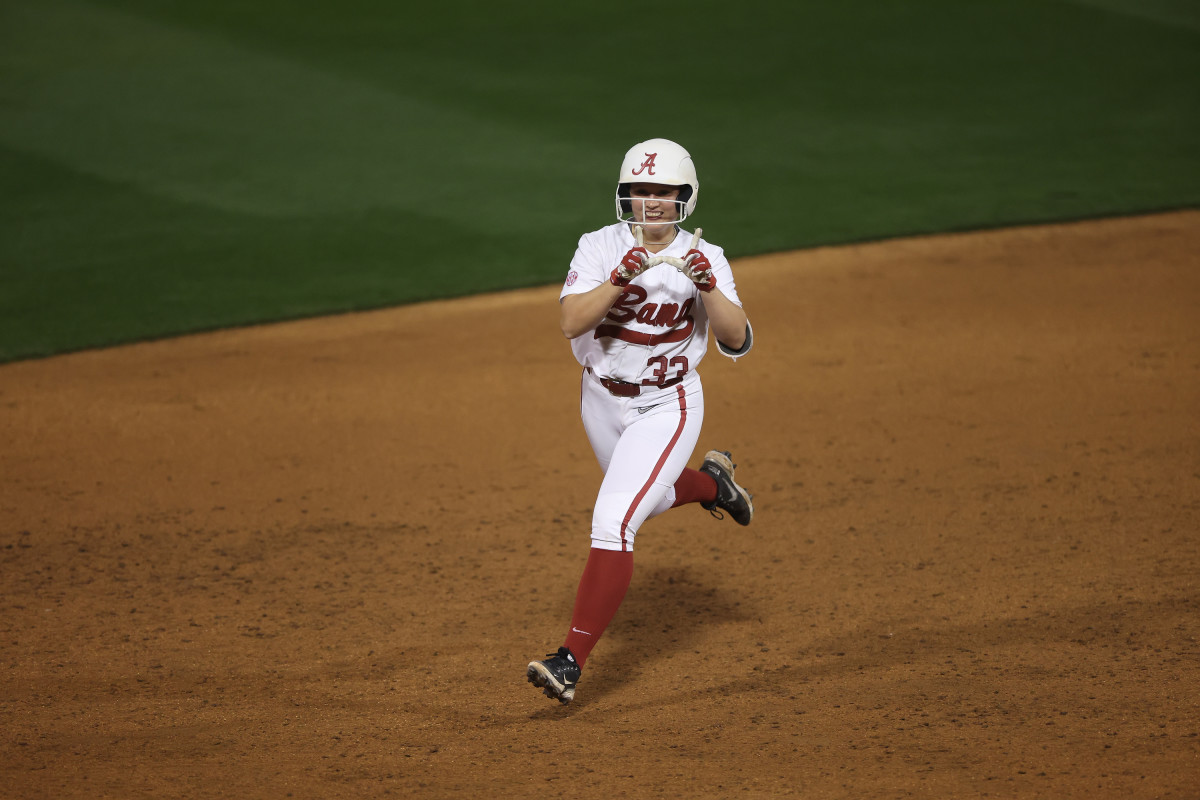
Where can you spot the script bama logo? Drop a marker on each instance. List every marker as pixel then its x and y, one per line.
pixel 631 307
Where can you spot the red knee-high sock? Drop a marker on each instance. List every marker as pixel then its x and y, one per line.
pixel 694 486
pixel 601 590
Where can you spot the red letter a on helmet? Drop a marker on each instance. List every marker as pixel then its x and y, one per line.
pixel 647 165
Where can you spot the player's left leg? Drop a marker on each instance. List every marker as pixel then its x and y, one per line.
pixel 712 486
pixel 692 486
pixel 653 451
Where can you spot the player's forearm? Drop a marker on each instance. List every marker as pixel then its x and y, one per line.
pixel 726 319
pixel 581 313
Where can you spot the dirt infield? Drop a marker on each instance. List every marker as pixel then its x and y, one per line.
pixel 312 560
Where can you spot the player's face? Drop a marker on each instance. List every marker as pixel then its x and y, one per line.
pixel 654 203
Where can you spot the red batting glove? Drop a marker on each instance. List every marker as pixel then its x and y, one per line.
pixel 699 269
pixel 632 265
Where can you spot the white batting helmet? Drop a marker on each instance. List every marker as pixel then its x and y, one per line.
pixel 658 161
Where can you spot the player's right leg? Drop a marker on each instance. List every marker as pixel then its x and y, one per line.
pixel 643 466
pixel 607 573
pixel 642 447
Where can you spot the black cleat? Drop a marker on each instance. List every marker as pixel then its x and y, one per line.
pixel 556 675
pixel 730 497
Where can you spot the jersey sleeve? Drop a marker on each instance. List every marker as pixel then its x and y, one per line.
pixel 587 270
pixel 723 273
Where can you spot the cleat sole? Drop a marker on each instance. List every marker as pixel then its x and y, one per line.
pixel 547 686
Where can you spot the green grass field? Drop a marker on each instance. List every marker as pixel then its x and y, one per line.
pixel 176 167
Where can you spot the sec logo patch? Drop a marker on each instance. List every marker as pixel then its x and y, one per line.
pixel 572 276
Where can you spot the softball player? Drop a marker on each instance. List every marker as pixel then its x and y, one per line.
pixel 638 303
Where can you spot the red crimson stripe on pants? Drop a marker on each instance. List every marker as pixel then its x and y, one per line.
pixel 662 459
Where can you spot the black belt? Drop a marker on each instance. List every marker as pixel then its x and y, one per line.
pixel 626 389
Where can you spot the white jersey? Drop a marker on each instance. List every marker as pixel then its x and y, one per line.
pixel 657 330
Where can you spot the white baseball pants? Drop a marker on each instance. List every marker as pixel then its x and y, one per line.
pixel 643 444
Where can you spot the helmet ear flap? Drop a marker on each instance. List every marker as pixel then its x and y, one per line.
pixel 624 204
pixel 684 199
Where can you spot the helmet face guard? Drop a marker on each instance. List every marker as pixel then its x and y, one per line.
pixel 663 162
pixel 625 207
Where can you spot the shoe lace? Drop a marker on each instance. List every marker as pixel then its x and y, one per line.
pixel 560 655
